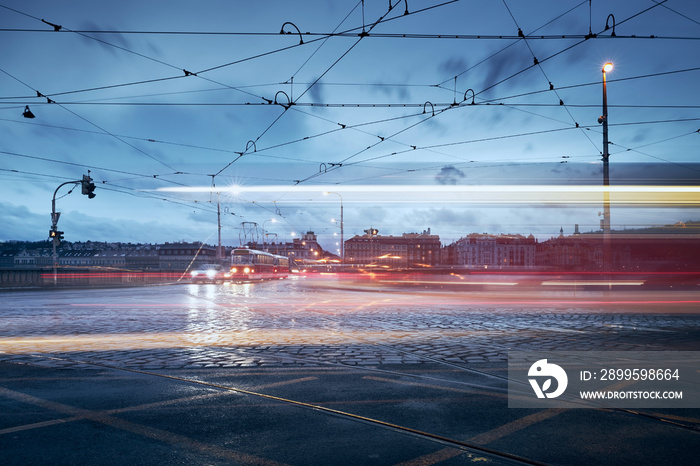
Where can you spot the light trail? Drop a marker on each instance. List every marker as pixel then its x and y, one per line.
pixel 640 195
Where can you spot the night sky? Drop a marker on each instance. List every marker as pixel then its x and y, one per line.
pixel 461 117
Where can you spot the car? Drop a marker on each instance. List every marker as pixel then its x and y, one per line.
pixel 209 273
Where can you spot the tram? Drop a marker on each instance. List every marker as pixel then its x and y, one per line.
pixel 250 264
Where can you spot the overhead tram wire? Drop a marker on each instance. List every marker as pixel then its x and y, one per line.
pixel 681 14
pixel 494 100
pixel 94 167
pixel 310 86
pixel 511 136
pixel 514 38
pixel 224 86
pixel 561 51
pixel 102 129
pixel 515 162
pixel 636 149
pixel 365 33
pixel 290 103
pixel 323 37
pixel 180 76
pixel 51 101
pixel 574 86
pixel 551 86
pixel 113 188
pixel 178 68
pixel 259 152
pixel 334 167
pixel 85 35
pixel 349 34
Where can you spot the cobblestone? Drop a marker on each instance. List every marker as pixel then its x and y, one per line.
pixel 193 329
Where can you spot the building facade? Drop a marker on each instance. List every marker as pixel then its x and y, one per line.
pixel 181 256
pixel 304 248
pixel 405 251
pixel 493 251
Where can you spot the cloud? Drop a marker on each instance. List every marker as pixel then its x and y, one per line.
pixel 18 222
pixel 453 66
pixel 449 175
pixel 504 64
pixel 109 41
pixel 316 92
pixel 400 93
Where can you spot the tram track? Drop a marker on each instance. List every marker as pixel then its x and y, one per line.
pixel 469 448
pixel 331 320
pixel 325 316
pixel 694 427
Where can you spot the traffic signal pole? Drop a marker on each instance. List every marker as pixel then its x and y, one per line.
pixel 56 236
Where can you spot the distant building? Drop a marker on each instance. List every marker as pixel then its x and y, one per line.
pixel 306 248
pixel 493 251
pixel 110 259
pixel 582 252
pixel 80 258
pixel 407 250
pixel 181 256
pixel 33 258
pixel 7 259
pixel 143 258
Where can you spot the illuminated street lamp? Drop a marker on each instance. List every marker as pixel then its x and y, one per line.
pixel 607 259
pixel 342 244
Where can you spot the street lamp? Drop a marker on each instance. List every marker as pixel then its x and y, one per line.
pixel 607 259
pixel 342 244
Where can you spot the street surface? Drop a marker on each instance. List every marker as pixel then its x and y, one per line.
pixel 317 370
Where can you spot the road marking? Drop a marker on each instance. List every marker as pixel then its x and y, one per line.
pixel 436 457
pixel 438 387
pixel 142 407
pixel 285 382
pixel 128 426
pixel 484 438
pixel 514 426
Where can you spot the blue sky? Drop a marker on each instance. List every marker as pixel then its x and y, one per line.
pixel 390 108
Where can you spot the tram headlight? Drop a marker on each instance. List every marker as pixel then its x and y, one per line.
pixel 234 270
pixel 246 270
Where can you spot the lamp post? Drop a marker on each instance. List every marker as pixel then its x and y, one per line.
pixel 607 256
pixel 342 244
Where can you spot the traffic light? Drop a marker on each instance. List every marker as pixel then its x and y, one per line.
pixel 88 187
pixel 56 235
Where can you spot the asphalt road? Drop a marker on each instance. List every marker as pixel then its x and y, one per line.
pixel 321 371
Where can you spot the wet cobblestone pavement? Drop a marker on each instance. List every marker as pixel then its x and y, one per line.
pixel 293 324
pixel 317 372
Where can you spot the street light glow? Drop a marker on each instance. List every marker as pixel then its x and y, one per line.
pixel 607 67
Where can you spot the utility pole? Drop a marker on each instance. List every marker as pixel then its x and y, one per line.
pixel 218 221
pixel 342 239
pixel 607 252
